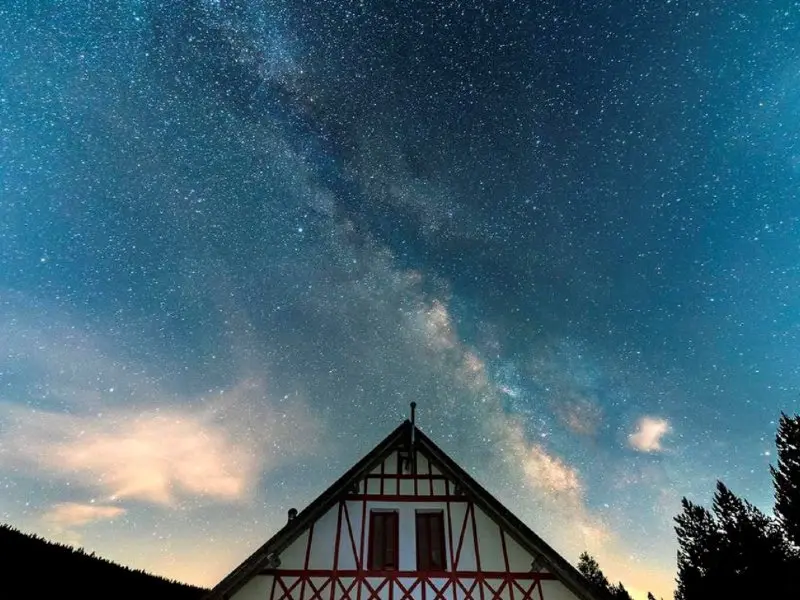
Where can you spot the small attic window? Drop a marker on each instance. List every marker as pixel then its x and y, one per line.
pixel 383 540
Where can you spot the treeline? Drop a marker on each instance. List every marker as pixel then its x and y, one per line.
pixel 733 549
pixel 37 568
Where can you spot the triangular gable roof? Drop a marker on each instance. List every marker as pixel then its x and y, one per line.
pixel 401 436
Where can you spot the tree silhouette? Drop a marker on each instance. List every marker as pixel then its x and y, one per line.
pixel 697 539
pixel 618 592
pixel 650 596
pixel 591 570
pixel 734 550
pixel 786 477
pixel 753 549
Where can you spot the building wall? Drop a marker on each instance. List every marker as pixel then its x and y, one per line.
pixel 483 562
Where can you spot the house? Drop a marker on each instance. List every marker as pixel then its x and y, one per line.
pixel 405 523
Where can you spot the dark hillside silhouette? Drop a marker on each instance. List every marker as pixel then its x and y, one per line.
pixel 38 568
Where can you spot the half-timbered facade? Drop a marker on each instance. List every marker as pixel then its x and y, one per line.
pixel 405 523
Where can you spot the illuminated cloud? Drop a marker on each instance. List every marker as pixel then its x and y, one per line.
pixel 155 456
pixel 160 455
pixel 68 515
pixel 648 434
pixel 159 447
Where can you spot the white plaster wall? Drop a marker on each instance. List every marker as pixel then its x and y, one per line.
pixel 390 464
pixel 294 556
pixel 466 561
pixel 490 543
pixel 347 552
pixel 518 559
pixel 322 540
pixel 373 486
pixel 555 590
pixel 390 486
pixel 258 588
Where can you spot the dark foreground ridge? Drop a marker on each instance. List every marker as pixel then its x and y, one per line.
pixel 45 569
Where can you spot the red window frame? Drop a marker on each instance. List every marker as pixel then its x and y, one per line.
pixel 429 525
pixel 384 555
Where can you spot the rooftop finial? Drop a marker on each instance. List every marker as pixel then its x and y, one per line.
pixel 413 423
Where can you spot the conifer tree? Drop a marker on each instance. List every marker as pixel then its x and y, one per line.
pixel 753 548
pixel 731 552
pixel 650 596
pixel 786 477
pixel 618 592
pixel 697 540
pixel 591 570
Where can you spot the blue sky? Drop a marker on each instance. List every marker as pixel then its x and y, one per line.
pixel 240 237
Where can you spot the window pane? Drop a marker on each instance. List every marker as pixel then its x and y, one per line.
pixel 423 542
pixel 377 541
pixel 390 560
pixel 437 541
pixel 430 542
pixel 383 540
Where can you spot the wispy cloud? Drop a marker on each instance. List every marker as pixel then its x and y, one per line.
pixel 159 447
pixel 68 515
pixel 155 456
pixel 648 434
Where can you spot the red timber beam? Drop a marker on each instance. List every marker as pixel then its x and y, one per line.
pixel 481 575
pixel 405 498
pixel 337 544
pixel 420 476
pixel 363 540
pixel 440 583
pixel 352 537
pixel 307 559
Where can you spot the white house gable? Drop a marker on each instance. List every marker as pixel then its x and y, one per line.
pixel 403 530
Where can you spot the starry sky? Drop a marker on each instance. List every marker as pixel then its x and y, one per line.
pixel 238 237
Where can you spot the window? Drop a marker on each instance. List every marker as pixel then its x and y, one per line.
pixel 430 542
pixel 383 541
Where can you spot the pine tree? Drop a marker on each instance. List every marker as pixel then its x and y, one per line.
pixel 697 540
pixel 786 477
pixel 650 596
pixel 753 548
pixel 618 592
pixel 589 568
pixel 730 552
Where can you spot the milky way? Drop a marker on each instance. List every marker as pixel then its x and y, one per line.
pixel 238 238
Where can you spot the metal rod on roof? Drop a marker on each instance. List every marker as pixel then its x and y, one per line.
pixel 412 454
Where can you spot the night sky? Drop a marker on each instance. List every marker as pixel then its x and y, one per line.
pixel 237 238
